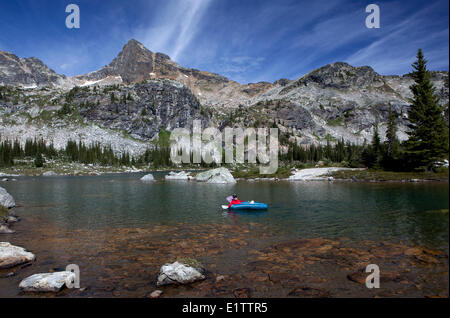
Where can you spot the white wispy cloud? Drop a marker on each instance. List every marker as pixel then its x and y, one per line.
pixel 395 51
pixel 175 27
pixel 239 64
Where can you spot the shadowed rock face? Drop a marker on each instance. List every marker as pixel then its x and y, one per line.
pixel 156 105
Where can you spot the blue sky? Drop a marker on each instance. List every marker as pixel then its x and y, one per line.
pixel 245 40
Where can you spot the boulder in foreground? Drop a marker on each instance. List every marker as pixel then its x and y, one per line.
pixel 219 175
pixel 179 273
pixel 48 282
pixel 11 255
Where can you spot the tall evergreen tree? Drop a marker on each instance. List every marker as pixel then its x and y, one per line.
pixel 428 135
pixel 391 134
pixel 392 145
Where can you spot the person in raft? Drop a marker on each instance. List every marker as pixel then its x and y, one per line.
pixel 234 201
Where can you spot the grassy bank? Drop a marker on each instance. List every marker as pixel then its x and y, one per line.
pixel 252 172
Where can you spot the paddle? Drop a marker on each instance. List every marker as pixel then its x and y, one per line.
pixel 229 199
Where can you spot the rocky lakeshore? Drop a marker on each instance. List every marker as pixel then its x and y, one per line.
pixel 237 261
pixel 233 174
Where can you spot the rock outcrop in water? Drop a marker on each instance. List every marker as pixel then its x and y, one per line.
pixel 179 273
pixel 182 175
pixel 48 282
pixel 148 178
pixel 4 229
pixel 219 175
pixel 11 255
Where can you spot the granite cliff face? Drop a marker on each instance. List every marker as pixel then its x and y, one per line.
pixel 127 102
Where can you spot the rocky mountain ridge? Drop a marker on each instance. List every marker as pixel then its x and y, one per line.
pixel 141 92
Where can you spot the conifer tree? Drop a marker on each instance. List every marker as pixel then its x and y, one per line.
pixel 428 135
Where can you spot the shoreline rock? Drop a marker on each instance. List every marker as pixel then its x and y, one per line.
pixel 218 176
pixel 6 199
pixel 11 255
pixel 47 282
pixel 4 229
pixel 317 174
pixel 182 175
pixel 49 174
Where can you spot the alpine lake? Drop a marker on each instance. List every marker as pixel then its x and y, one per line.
pixel 315 240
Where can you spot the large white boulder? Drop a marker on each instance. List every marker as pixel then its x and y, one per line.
pixel 6 199
pixel 219 175
pixel 182 175
pixel 316 174
pixel 11 255
pixel 148 178
pixel 179 273
pixel 48 282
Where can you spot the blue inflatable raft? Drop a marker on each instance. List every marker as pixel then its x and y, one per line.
pixel 249 206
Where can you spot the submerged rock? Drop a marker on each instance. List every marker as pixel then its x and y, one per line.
pixel 11 255
pixel 6 199
pixel 219 175
pixel 155 294
pixel 179 273
pixel 148 178
pixel 309 292
pixel 48 282
pixel 182 175
pixel 242 293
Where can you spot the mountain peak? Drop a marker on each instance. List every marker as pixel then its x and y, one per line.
pixel 342 75
pixel 134 45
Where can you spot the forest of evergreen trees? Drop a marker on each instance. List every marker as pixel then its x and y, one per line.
pixel 74 151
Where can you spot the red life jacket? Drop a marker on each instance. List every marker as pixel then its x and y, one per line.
pixel 234 202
